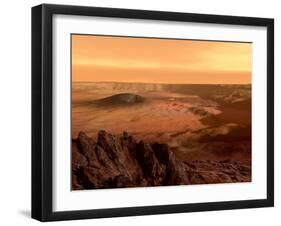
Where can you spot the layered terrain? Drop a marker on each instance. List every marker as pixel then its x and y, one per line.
pixel 204 129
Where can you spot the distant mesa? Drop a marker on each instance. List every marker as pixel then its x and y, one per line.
pixel 120 99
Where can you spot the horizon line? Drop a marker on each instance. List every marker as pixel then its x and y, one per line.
pixel 163 83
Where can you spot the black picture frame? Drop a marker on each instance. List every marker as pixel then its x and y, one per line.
pixel 42 111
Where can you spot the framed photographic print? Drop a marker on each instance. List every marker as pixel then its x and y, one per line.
pixel 145 112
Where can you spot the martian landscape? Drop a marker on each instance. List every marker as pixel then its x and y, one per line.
pixel 207 124
pixel 159 112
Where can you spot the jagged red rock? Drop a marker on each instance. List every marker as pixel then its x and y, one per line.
pixel 121 161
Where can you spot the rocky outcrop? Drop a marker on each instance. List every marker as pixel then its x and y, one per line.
pixel 121 161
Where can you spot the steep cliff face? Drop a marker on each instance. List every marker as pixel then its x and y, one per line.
pixel 121 161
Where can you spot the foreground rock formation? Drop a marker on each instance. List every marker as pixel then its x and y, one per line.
pixel 121 161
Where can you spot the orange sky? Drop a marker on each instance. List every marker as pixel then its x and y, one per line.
pixel 125 59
